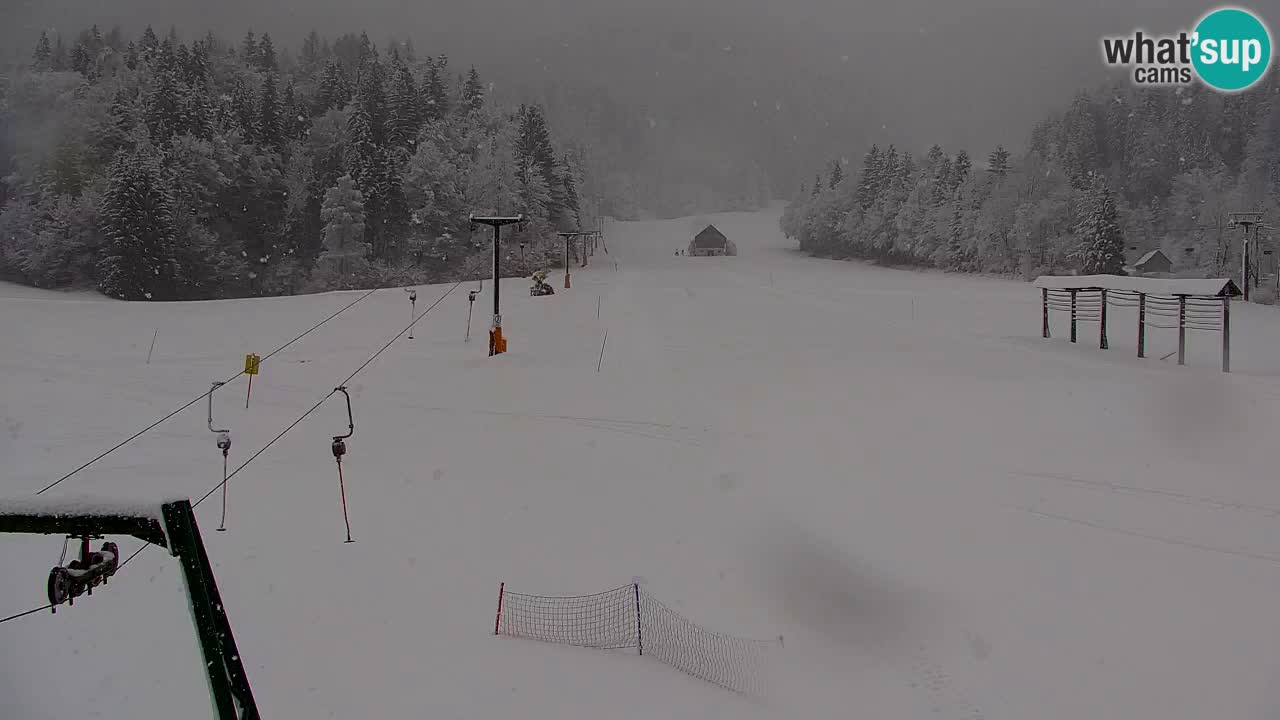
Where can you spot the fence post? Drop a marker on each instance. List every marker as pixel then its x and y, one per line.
pixel 1102 334
pixel 1044 312
pixel 1182 329
pixel 1226 334
pixel 1073 315
pixel 1142 324
pixel 496 621
pixel 639 636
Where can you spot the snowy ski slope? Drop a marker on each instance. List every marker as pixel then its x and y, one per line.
pixel 943 515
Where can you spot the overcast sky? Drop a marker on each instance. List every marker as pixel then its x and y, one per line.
pixel 965 73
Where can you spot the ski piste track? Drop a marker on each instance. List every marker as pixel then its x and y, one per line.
pixel 941 514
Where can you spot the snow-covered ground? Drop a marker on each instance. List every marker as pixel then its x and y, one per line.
pixel 944 515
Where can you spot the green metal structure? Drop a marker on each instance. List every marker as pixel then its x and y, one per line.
pixel 175 528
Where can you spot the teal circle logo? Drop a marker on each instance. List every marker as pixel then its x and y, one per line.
pixel 1231 49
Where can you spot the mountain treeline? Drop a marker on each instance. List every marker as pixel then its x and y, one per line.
pixel 154 168
pixel 1120 171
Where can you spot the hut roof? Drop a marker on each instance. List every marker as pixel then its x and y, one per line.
pixel 710 237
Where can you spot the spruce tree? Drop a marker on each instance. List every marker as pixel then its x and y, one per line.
pixel 1101 249
pixel 265 59
pixel 80 60
pixel 165 115
pixel 436 96
pixel 955 237
pixel 243 110
pixel 131 55
pixel 334 91
pixel 998 161
pixel 960 169
pixel 138 260
pixel 270 124
pixel 403 117
pixel 44 51
pixel 249 48
pixel 344 228
pixel 837 173
pixel 311 52
pixel 572 202
pixel 473 91
pixel 149 43
pixel 866 194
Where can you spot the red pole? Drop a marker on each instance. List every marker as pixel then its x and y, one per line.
pixel 343 489
pixel 222 526
pixel 248 393
pixel 501 590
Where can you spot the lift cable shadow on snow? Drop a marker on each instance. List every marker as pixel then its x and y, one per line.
pixel 282 433
pixel 1247 554
pixel 199 397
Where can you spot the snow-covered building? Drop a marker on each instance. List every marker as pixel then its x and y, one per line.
pixel 1153 263
pixel 711 241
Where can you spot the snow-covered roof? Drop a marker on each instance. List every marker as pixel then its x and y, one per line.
pixel 82 506
pixel 1145 258
pixel 1207 287
pixel 84 516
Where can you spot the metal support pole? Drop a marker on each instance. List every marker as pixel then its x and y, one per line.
pixel 1142 324
pixel 1226 334
pixel 497 343
pixel 1244 261
pixel 497 269
pixel 1182 329
pixel 1073 315
pixel 567 238
pixel 639 634
pixel 1043 311
pixel 1102 314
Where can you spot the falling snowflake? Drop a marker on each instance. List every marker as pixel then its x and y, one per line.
pixel 844 58
pixel 146 295
pixel 652 123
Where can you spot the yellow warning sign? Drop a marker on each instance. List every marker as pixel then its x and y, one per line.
pixel 251 363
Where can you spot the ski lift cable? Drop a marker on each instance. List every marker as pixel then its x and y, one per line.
pixel 198 398
pixel 322 400
pixel 276 439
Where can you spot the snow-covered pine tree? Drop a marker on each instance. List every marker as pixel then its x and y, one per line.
pixel 572 202
pixel 138 260
pixel 1101 241
pixel 960 169
pixel 165 113
pixel 404 113
pixel 865 196
pixel 80 60
pixel 310 53
pixel 244 110
pixel 249 48
pixel 270 124
pixel 149 43
pixel 473 91
pixel 998 161
pixel 335 91
pixel 344 228
pixel 265 58
pixel 837 173
pixel 955 237
pixel 44 51
pixel 436 96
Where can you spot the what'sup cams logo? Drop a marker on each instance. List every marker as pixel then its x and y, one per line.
pixel 1229 50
